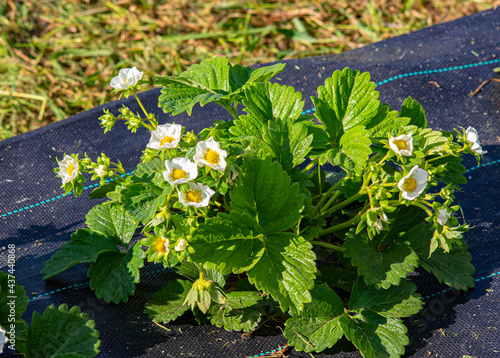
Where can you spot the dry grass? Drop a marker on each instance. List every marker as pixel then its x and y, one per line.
pixel 63 53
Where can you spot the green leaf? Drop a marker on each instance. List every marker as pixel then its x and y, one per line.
pixel 396 301
pixel 285 270
pixel 60 332
pixel 413 110
pixel 153 167
pixel 353 150
pixel 376 336
pixel 8 289
pixel 386 122
pixel 228 242
pixel 114 274
pixel 241 77
pixel 141 198
pixel 347 100
pixel 101 192
pixel 453 268
pixel 241 312
pixel 381 267
pixel 168 303
pixel 318 326
pixel 85 246
pixel 68 355
pixel 111 221
pixel 265 192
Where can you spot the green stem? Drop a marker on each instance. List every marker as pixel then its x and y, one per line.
pixel 423 207
pixel 140 104
pixel 342 204
pixel 437 158
pixel 328 246
pixel 344 225
pixel 331 201
pixel 231 110
pixel 327 194
pixel 310 165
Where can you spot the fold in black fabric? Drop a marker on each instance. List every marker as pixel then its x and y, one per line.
pixel 438 67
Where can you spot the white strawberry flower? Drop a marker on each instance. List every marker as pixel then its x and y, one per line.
pixel 442 216
pixel 101 171
pixel 181 245
pixel 209 153
pixel 68 169
pixel 414 183
pixel 166 136
pixel 126 77
pixel 180 170
pixel 402 145
pixel 473 139
pixel 3 339
pixel 198 195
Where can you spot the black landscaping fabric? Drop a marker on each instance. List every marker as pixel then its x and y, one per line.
pixel 439 67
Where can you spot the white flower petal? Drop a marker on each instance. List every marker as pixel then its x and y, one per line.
pixel 473 138
pixel 126 77
pixel 419 176
pixel 202 191
pixel 68 169
pixel 402 145
pixel 181 245
pixel 166 136
pixel 3 339
pixel 188 168
pixel 209 153
pixel 442 216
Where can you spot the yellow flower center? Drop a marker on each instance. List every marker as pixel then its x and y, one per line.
pixel 166 139
pixel 193 196
pixel 401 144
pixel 212 156
pixel 70 168
pixel 179 174
pixel 160 245
pixel 410 184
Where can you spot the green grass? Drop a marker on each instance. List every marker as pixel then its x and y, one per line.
pixel 57 57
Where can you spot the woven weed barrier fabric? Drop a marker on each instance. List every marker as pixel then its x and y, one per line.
pixel 439 67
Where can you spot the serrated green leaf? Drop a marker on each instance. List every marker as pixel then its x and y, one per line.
pixel 381 267
pixel 61 331
pixel 396 301
pixel 353 150
pixel 376 336
pixel 141 198
pixel 103 190
pixel 8 289
pixel 285 270
pixel 386 122
pixel 155 166
pixel 347 100
pixel 318 326
pixel 405 218
pixel 85 246
pixel 168 303
pixel 240 76
pixel 111 221
pixel 241 312
pixel 114 274
pixel 265 192
pixel 453 268
pixel 413 110
pixel 228 242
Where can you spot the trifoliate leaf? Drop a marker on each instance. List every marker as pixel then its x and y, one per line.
pixel 285 270
pixel 376 336
pixel 347 100
pixel 386 122
pixel 228 242
pixel 318 326
pixel 8 305
pixel 85 246
pixel 413 110
pixel 264 191
pixel 241 311
pixel 168 303
pixel 380 266
pixel 111 221
pixel 339 277
pixel 61 332
pixel 396 301
pixel 353 149
pixel 453 268
pixel 101 192
pixel 114 274
pixel 141 198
